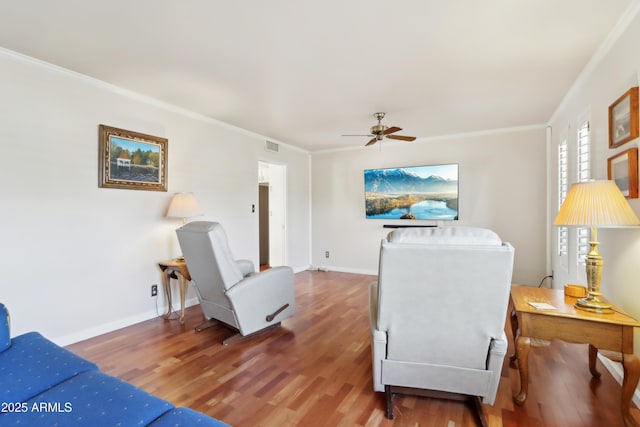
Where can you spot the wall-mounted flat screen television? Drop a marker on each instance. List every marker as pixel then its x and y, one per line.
pixel 417 192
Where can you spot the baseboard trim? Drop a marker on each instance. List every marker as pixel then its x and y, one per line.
pixel 327 268
pixel 105 328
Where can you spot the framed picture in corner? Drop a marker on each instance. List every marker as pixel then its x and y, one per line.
pixel 623 169
pixel 623 118
pixel 132 160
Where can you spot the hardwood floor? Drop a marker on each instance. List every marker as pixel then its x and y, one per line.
pixel 316 371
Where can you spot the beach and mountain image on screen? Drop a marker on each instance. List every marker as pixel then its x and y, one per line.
pixel 421 192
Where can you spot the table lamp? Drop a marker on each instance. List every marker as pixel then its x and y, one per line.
pixel 595 204
pixel 184 205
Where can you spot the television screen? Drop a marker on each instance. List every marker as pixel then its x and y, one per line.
pixel 419 192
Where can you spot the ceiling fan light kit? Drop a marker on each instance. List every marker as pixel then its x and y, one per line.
pixel 380 132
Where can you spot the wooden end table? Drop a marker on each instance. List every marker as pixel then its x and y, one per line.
pixel 174 269
pixel 609 334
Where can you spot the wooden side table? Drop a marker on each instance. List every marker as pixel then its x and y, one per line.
pixel 609 334
pixel 174 269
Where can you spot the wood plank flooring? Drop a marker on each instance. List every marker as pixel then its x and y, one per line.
pixel 316 371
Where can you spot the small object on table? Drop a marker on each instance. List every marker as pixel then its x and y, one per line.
pixel 575 291
pixel 541 305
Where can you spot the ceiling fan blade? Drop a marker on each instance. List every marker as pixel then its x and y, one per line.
pixel 402 138
pixel 373 141
pixel 392 129
pixel 356 135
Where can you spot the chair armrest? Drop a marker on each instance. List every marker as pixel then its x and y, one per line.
pixel 5 332
pixel 497 351
pixel 245 266
pixel 378 339
pixel 499 346
pixel 261 294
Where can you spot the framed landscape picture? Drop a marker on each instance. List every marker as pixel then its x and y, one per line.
pixel 427 192
pixel 623 118
pixel 623 169
pixel 132 160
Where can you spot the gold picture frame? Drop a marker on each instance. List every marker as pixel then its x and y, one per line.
pixel 132 160
pixel 623 170
pixel 623 118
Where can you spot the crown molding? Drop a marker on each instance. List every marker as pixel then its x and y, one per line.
pixel 140 97
pixel 619 28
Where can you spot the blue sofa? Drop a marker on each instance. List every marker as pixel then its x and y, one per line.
pixel 43 384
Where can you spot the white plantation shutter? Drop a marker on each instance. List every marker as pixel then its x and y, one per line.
pixel 584 174
pixel 563 188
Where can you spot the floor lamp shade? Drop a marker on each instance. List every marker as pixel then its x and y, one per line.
pixel 184 205
pixel 595 204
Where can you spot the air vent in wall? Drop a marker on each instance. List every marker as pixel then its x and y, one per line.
pixel 272 146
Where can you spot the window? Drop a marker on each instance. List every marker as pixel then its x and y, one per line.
pixel 563 187
pixel 584 174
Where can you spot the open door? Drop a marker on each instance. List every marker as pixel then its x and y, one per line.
pixel 263 223
pixel 272 208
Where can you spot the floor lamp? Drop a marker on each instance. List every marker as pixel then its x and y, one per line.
pixel 595 204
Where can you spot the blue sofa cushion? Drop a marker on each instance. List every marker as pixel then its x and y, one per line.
pixel 91 399
pixel 33 364
pixel 186 417
pixel 5 334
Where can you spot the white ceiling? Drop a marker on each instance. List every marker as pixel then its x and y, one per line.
pixel 304 73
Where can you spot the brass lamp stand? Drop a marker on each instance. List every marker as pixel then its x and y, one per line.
pixel 594 273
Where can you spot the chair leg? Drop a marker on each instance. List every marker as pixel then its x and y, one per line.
pixel 389 398
pixel 207 324
pixel 479 412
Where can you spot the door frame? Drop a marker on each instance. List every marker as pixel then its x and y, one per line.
pixel 275 175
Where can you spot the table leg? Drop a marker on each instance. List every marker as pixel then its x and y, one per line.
pixel 166 284
pixel 523 345
pixel 514 332
pixel 183 290
pixel 593 355
pixel 631 366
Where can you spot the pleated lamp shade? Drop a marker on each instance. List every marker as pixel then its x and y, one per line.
pixel 596 204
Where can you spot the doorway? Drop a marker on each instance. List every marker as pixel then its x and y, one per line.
pixel 271 210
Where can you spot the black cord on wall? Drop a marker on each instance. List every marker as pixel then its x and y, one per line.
pixel 550 276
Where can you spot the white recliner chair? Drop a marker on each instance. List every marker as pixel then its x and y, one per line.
pixel 438 311
pixel 229 290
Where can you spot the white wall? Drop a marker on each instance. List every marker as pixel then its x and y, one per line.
pixel 79 260
pixel 502 187
pixel 607 79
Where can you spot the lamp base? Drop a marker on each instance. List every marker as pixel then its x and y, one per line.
pixel 593 305
pixel 593 264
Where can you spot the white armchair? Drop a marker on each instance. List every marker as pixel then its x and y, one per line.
pixel 438 311
pixel 229 290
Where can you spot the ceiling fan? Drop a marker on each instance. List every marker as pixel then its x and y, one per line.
pixel 380 132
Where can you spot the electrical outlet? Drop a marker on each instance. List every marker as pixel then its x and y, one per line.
pixel 326 254
pixel 154 290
